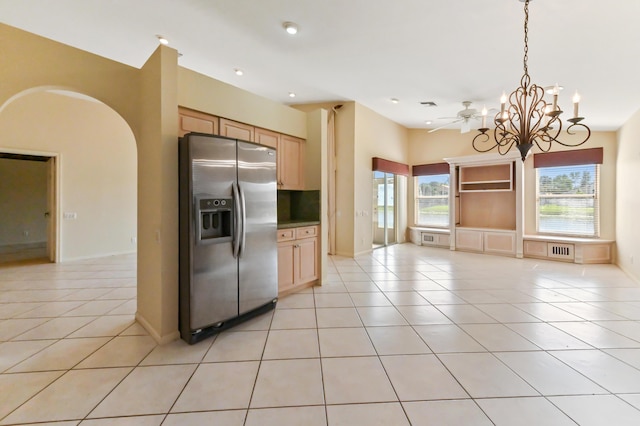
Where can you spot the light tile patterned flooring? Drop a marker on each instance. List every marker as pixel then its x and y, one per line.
pixel 406 335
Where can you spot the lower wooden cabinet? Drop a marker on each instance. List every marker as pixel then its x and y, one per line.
pixel 297 257
pixel 485 240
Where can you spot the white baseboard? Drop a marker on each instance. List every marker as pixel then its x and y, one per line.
pixel 96 256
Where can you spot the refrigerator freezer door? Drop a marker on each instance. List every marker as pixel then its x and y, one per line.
pixel 258 261
pixel 214 279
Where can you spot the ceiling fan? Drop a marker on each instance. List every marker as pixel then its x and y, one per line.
pixel 464 116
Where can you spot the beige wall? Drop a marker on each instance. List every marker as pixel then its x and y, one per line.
pixel 427 148
pixel 201 93
pixel 158 196
pixel 23 201
pixel 98 163
pixel 37 63
pixel 345 179
pixel 628 197
pixel 375 136
pixel 148 101
pixel 316 175
pixel 362 134
pixel 345 152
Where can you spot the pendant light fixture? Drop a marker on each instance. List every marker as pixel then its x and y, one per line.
pixel 528 119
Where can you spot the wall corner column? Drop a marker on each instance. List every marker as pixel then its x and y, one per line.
pixel 158 196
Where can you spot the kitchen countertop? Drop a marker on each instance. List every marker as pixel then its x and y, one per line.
pixel 296 224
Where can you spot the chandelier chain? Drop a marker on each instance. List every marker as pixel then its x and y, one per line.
pixel 526 37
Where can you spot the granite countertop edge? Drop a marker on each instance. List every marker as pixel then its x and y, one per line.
pixel 296 224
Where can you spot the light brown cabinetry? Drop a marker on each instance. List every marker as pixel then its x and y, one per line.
pixel 194 121
pixel 290 160
pixel 290 152
pixel 235 130
pixel 297 258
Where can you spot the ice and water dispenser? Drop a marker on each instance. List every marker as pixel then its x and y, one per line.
pixel 215 220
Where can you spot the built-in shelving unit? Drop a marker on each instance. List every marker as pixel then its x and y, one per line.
pixel 486 210
pixel 497 177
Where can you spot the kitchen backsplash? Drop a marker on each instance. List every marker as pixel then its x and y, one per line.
pixel 300 206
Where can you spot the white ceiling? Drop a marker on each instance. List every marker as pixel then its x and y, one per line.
pixel 370 51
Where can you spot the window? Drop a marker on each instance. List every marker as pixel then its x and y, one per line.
pixel 567 200
pixel 432 200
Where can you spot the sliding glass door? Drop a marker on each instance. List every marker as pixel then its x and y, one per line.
pixel 384 209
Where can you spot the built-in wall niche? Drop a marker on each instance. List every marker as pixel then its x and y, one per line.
pixel 486 196
pixel 496 210
pixel 498 177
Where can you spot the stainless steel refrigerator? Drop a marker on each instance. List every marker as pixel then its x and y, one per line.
pixel 228 227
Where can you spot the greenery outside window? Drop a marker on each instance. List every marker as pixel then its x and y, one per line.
pixel 567 200
pixel 432 200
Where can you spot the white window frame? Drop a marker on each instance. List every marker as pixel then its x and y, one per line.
pixel 418 197
pixel 596 204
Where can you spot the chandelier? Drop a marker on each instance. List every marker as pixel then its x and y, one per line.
pixel 528 119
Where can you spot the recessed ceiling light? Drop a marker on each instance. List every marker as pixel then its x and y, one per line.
pixel 394 100
pixel 162 40
pixel 238 71
pixel 292 95
pixel 290 27
pixel 428 122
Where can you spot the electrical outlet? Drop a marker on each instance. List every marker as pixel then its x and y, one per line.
pixel 70 215
pixel 134 240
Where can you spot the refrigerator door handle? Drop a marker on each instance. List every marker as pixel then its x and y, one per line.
pixel 243 220
pixel 238 228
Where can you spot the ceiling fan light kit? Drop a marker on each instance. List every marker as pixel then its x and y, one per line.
pixel 528 119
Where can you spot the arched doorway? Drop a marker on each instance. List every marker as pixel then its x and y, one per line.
pixel 93 186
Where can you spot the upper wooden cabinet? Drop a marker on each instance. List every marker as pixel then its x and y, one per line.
pixel 194 121
pixel 267 137
pixel 235 130
pixel 290 152
pixel 290 163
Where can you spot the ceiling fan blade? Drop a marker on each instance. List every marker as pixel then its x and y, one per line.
pixel 446 125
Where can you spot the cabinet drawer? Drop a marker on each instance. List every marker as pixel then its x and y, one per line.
pixel 306 232
pixel 285 234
